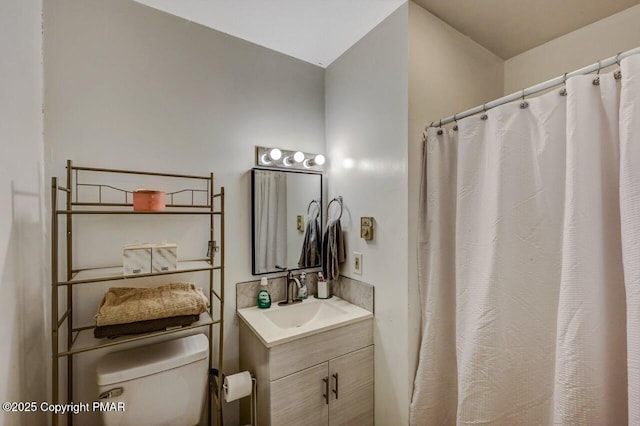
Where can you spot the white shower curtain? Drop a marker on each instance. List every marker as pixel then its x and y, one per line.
pixel 529 262
pixel 271 220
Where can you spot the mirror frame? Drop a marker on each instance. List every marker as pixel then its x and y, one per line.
pixel 253 213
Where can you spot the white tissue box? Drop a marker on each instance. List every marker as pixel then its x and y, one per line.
pixel 164 257
pixel 136 259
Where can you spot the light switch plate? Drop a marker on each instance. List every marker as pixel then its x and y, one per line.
pixel 366 228
pixel 300 223
pixel 357 263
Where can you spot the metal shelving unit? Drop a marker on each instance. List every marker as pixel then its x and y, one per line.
pixel 80 339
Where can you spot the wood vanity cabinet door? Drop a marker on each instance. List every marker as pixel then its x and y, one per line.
pixel 355 383
pixel 297 399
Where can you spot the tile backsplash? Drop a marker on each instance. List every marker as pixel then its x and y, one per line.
pixel 357 292
pixel 354 291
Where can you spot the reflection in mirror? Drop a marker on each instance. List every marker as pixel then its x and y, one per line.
pixel 287 220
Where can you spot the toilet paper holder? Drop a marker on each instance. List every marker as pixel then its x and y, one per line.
pixel 254 388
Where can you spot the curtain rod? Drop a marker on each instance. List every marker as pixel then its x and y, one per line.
pixel 536 89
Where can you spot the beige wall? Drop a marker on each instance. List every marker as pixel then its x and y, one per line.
pixel 366 122
pixel 448 73
pixel 573 51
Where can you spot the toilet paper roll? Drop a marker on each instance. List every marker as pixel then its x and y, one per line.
pixel 237 386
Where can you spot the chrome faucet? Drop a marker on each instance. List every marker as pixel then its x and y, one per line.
pixel 290 289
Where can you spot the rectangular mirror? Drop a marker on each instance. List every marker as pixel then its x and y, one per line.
pixel 287 220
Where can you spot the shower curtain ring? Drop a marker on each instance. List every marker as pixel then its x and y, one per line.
pixel 596 81
pixel 440 128
pixel 484 116
pixel 455 128
pixel 563 91
pixel 618 74
pixel 524 103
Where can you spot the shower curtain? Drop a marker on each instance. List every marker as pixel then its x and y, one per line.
pixel 529 262
pixel 271 220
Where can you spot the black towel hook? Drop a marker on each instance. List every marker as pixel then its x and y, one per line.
pixel 339 200
pixel 311 203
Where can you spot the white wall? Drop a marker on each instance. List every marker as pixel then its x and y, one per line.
pixel 575 50
pixel 24 309
pixel 448 73
pixel 130 87
pixel 366 113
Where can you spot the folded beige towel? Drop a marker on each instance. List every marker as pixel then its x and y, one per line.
pixel 123 305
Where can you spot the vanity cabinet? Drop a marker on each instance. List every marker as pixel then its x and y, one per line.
pixel 337 392
pixel 351 399
pixel 300 396
pixel 322 379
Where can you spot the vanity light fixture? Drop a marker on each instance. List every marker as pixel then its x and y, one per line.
pixel 273 154
pixel 317 160
pixel 287 161
pixel 297 157
pixel 282 158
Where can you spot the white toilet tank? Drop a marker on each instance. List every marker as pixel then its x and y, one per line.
pixel 160 384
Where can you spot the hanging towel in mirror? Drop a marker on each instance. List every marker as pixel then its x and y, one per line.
pixel 312 244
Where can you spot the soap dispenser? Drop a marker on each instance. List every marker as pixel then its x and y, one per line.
pixel 264 298
pixel 302 290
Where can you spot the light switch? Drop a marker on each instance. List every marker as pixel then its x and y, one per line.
pixel 300 223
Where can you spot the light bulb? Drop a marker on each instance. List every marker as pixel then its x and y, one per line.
pixel 287 161
pixel 319 160
pixel 264 159
pixel 275 154
pixel 298 157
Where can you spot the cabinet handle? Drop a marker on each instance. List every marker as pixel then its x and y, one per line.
pixel 325 395
pixel 335 376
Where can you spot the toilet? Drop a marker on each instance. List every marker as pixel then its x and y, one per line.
pixel 159 384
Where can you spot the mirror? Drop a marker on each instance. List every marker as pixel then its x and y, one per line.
pixel 287 220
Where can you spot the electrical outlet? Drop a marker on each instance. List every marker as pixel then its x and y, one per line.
pixel 357 263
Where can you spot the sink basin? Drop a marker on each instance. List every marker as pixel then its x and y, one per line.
pixel 299 315
pixel 280 324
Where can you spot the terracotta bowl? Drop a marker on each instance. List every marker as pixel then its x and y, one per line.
pixel 145 200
